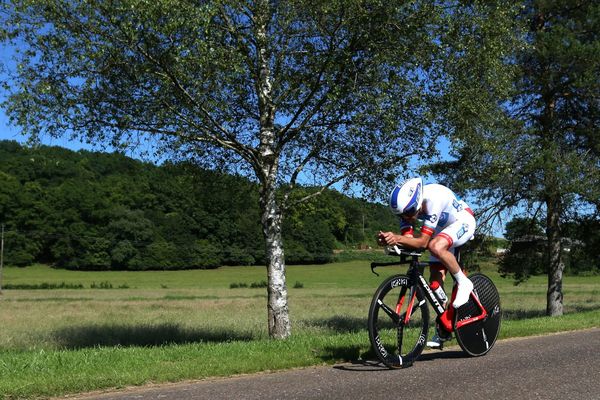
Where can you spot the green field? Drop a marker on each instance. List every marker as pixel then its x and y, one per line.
pixel 175 325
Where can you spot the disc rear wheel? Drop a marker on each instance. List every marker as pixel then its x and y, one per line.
pixel 478 338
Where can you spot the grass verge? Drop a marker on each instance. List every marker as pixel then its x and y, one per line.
pixel 185 325
pixel 28 374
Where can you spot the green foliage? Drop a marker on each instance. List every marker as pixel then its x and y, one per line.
pixel 253 285
pixel 527 253
pixel 238 285
pixel 258 285
pixel 583 257
pixel 101 285
pixel 524 258
pixel 83 210
pixel 42 286
pixel 341 91
pixel 520 227
pixel 62 285
pixel 541 153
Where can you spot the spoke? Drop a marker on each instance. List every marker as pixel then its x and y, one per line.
pixel 485 339
pixel 391 313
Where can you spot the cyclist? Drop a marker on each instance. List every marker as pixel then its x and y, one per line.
pixel 448 223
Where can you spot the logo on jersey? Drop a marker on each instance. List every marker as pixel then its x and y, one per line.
pixel 464 229
pixel 444 219
pixel 431 218
pixel 459 207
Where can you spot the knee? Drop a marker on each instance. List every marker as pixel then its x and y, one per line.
pixel 437 247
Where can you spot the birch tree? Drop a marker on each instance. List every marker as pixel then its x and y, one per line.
pixel 286 92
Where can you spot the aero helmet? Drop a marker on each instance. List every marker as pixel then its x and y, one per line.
pixel 406 199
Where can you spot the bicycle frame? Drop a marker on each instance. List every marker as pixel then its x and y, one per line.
pixel 445 316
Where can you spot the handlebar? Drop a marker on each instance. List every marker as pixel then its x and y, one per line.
pixel 397 251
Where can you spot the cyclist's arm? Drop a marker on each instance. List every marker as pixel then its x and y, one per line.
pixel 417 242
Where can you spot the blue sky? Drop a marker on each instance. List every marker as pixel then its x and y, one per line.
pixel 8 132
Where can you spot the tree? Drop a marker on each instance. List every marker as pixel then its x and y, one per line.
pixel 340 91
pixel 584 235
pixel 545 158
pixel 520 227
pixel 526 255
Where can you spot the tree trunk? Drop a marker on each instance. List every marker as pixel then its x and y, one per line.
pixel 267 169
pixel 554 296
pixel 553 199
pixel 277 305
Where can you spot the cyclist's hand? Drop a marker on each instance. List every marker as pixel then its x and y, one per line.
pixel 381 239
pixel 386 239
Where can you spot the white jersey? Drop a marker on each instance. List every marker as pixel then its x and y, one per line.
pixel 441 208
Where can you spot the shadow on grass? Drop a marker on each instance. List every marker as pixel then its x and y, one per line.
pixel 348 353
pixel 79 337
pixel 340 324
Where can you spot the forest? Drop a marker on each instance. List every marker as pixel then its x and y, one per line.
pixel 100 211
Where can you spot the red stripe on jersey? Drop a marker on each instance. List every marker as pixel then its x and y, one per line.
pixel 407 231
pixel 447 237
pixel 427 231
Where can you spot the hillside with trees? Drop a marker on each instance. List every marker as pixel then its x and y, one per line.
pixel 88 210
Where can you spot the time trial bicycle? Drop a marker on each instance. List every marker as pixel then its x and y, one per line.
pixel 399 313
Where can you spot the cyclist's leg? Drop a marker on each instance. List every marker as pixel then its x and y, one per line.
pixel 442 245
pixel 438 274
pixel 437 271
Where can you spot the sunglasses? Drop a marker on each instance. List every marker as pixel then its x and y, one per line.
pixel 411 212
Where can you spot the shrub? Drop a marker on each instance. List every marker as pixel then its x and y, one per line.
pixel 257 285
pixel 238 285
pixel 101 285
pixel 42 286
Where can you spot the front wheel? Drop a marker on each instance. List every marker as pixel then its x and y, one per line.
pixel 478 338
pixel 398 339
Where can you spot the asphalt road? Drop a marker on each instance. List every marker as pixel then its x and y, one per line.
pixel 558 366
